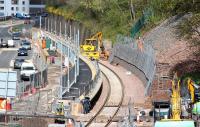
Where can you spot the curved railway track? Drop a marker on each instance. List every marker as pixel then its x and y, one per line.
pixel 113 101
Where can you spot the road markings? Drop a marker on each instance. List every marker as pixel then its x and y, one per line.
pixel 12 63
pixel 9 49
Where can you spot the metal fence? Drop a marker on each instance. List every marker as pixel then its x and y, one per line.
pixel 71 52
pixel 86 87
pixel 36 80
pixel 39 79
pixel 35 121
pixel 140 22
pixel 64 36
pixel 52 24
pixel 138 57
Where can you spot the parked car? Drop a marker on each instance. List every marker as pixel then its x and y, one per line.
pixel 11 43
pixel 45 14
pixel 16 35
pixel 26 44
pixel 22 52
pixel 18 63
pixel 4 44
pixel 22 16
pixel 27 69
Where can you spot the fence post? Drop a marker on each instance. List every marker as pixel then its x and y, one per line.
pixel 48 25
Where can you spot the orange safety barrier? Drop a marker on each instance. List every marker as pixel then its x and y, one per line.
pixel 43 43
pixel 5 105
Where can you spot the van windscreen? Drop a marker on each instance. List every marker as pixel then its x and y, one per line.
pixel 28 68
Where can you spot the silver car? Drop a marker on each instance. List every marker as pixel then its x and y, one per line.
pixel 26 45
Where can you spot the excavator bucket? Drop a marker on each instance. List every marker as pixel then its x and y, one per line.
pixel 174 123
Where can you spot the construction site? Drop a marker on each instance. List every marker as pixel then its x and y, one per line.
pixel 57 72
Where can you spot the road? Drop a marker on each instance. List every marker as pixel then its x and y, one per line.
pixel 4 33
pixel 7 55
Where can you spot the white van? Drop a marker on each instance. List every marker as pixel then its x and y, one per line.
pixel 27 69
pixel 11 43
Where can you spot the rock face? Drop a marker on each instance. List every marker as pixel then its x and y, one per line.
pixel 172 54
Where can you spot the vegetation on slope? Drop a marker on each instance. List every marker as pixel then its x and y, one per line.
pixel 118 16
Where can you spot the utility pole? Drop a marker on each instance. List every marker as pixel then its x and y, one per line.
pixel 52 24
pixel 40 22
pixel 45 23
pixel 6 95
pixel 48 25
pixel 61 67
pixel 55 27
pixel 65 31
pixel 68 82
pixel 78 41
pixel 70 32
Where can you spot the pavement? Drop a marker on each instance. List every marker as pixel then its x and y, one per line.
pixel 9 23
pixel 133 86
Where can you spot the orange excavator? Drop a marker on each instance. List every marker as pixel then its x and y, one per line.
pixel 93 48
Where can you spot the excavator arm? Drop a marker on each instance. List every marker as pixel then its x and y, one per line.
pixel 176 100
pixel 93 46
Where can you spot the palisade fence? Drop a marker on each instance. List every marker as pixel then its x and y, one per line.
pixel 68 48
pixel 52 24
pixel 137 57
pixel 66 35
pixel 66 40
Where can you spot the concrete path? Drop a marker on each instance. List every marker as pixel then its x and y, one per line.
pixel 133 86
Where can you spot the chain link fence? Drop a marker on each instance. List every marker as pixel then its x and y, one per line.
pixel 136 56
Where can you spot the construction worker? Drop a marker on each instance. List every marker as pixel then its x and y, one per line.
pixel 60 109
pixel 191 89
pixel 140 44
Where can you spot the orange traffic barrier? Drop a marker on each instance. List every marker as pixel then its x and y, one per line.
pixel 43 43
pixel 8 104
pixel 5 104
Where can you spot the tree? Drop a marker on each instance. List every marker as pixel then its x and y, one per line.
pixel 190 27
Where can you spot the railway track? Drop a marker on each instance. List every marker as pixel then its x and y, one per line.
pixel 111 105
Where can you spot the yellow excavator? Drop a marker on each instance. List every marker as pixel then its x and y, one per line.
pixel 191 89
pixel 93 48
pixel 194 95
pixel 175 120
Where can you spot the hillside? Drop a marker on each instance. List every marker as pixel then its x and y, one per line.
pixel 114 17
